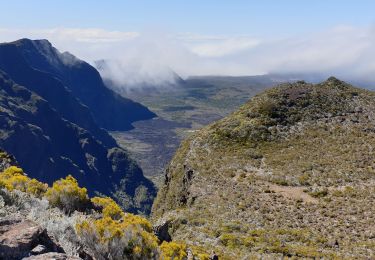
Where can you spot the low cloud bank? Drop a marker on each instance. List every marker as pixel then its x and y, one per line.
pixel 153 57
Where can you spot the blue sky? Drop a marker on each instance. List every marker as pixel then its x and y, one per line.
pixel 264 18
pixel 233 37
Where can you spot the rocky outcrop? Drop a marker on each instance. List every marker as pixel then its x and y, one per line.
pixel 161 230
pixel 54 256
pixel 6 160
pixel 38 250
pixel 20 238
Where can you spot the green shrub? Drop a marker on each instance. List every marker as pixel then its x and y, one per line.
pixel 319 193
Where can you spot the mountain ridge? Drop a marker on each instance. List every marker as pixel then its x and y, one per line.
pixel 51 89
pixel 295 161
pixel 82 80
pixel 52 134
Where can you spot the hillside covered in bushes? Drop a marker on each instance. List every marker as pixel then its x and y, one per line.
pixel 289 174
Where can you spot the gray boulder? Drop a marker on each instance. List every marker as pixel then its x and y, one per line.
pixel 52 256
pixel 19 237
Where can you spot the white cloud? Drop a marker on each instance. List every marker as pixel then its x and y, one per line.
pixel 91 35
pixel 342 51
pixel 339 50
pixel 216 45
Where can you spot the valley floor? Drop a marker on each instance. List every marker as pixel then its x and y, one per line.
pixel 152 144
pixel 181 110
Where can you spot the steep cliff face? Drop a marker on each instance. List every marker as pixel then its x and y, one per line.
pixel 46 85
pixel 290 173
pixel 39 65
pixel 48 147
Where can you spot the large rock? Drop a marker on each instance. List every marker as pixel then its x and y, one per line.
pixel 161 230
pixel 39 249
pixel 50 256
pixel 18 237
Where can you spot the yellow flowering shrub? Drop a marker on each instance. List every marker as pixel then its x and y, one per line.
pixel 128 237
pixel 118 234
pixel 135 220
pixel 108 207
pixel 173 251
pixel 203 256
pixel 67 195
pixel 200 252
pixel 36 188
pixel 14 178
pixel 106 228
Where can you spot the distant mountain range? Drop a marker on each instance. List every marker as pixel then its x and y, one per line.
pixel 53 108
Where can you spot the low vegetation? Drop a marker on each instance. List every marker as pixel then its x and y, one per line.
pixel 14 178
pixel 287 175
pixel 173 250
pixel 98 225
pixel 67 195
pixel 128 236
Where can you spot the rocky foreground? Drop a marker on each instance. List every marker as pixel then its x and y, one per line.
pixel 21 238
pixel 38 221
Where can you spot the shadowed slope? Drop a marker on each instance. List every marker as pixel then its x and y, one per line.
pixel 49 147
pixel 109 109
